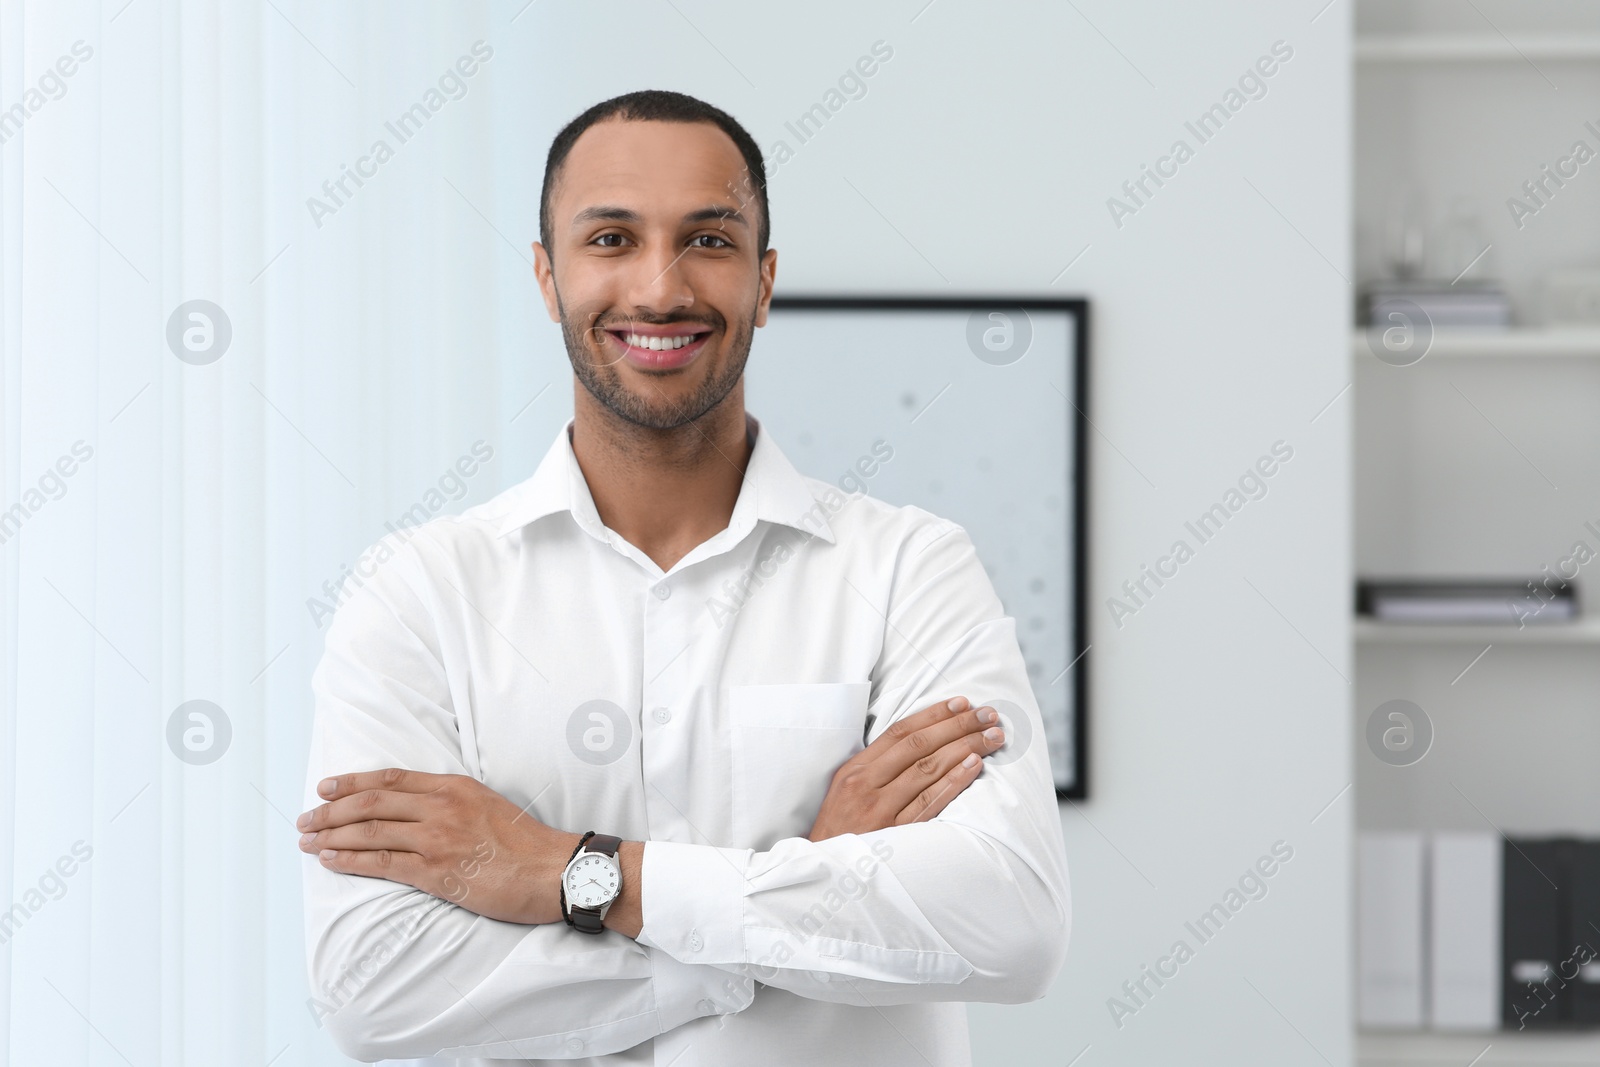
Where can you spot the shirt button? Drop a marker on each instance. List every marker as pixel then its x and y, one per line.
pixel 663 591
pixel 662 715
pixel 695 943
pixel 821 976
pixel 707 1008
pixel 574 1046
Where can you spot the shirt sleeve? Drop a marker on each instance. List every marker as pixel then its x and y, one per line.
pixel 972 905
pixel 398 973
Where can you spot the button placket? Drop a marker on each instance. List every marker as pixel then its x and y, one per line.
pixel 665 689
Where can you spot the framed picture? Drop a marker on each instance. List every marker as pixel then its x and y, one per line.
pixel 984 402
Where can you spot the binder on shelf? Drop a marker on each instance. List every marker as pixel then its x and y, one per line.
pixel 1535 954
pixel 1447 305
pixel 1390 929
pixel 1464 931
pixel 1506 603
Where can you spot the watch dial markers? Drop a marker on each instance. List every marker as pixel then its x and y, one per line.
pixel 592 881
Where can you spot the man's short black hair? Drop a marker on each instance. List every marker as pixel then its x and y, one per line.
pixel 656 105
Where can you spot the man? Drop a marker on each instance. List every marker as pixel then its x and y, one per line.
pixel 798 852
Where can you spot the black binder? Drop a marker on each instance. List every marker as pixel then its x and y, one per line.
pixel 1535 924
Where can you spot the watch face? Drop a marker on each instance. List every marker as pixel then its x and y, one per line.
pixel 592 880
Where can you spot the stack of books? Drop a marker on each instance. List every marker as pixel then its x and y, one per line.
pixel 1539 600
pixel 1464 305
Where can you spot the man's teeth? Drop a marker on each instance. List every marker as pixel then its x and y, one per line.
pixel 655 343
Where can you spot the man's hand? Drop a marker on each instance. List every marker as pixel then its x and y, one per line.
pixel 445 834
pixel 909 774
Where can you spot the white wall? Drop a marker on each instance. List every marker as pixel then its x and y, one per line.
pixel 991 142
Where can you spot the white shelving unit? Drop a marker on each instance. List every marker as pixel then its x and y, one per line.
pixel 1450 103
pixel 1474 48
pixel 1505 1049
pixel 1567 342
pixel 1582 631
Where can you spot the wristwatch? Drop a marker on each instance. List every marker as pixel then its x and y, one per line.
pixel 592 882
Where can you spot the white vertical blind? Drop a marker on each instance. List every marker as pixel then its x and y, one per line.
pixel 184 560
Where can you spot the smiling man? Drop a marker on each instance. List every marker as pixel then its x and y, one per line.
pixel 558 810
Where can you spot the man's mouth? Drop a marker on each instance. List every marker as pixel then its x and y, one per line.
pixel 660 348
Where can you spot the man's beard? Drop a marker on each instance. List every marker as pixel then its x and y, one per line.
pixel 655 412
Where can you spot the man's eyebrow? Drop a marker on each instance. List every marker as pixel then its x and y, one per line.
pixel 717 214
pixel 606 213
pixel 614 213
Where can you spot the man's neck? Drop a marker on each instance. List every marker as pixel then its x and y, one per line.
pixel 663 491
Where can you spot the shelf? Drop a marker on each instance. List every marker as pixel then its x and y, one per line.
pixel 1474 48
pixel 1517 343
pixel 1510 1049
pixel 1583 631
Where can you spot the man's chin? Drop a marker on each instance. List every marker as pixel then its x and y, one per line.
pixel 643 404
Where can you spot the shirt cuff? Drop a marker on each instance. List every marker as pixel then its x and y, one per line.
pixel 692 897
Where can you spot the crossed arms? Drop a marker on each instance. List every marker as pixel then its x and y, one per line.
pixel 948 881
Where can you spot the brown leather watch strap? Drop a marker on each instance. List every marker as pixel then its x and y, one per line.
pixel 586 919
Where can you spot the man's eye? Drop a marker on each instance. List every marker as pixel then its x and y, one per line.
pixel 720 242
pixel 609 240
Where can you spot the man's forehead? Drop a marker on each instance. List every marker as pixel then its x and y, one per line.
pixel 625 161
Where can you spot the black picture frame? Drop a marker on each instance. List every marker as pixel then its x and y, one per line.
pixel 1078 490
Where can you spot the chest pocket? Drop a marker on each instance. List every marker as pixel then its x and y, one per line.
pixel 787 742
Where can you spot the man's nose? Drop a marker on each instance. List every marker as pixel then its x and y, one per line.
pixel 660 283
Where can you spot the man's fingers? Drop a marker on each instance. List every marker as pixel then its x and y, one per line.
pixel 982 724
pixel 929 715
pixel 911 771
pixel 360 807
pixel 930 769
pixel 396 779
pixel 932 800
pixel 405 867
pixel 368 835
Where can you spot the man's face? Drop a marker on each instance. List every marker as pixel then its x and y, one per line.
pixel 653 272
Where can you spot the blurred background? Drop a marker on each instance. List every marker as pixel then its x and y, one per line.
pixel 1377 249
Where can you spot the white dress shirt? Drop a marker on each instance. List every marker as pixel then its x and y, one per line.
pixel 702 710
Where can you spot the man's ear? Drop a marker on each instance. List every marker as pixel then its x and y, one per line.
pixel 544 273
pixel 769 271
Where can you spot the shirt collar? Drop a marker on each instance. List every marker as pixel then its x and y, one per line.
pixel 772 491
